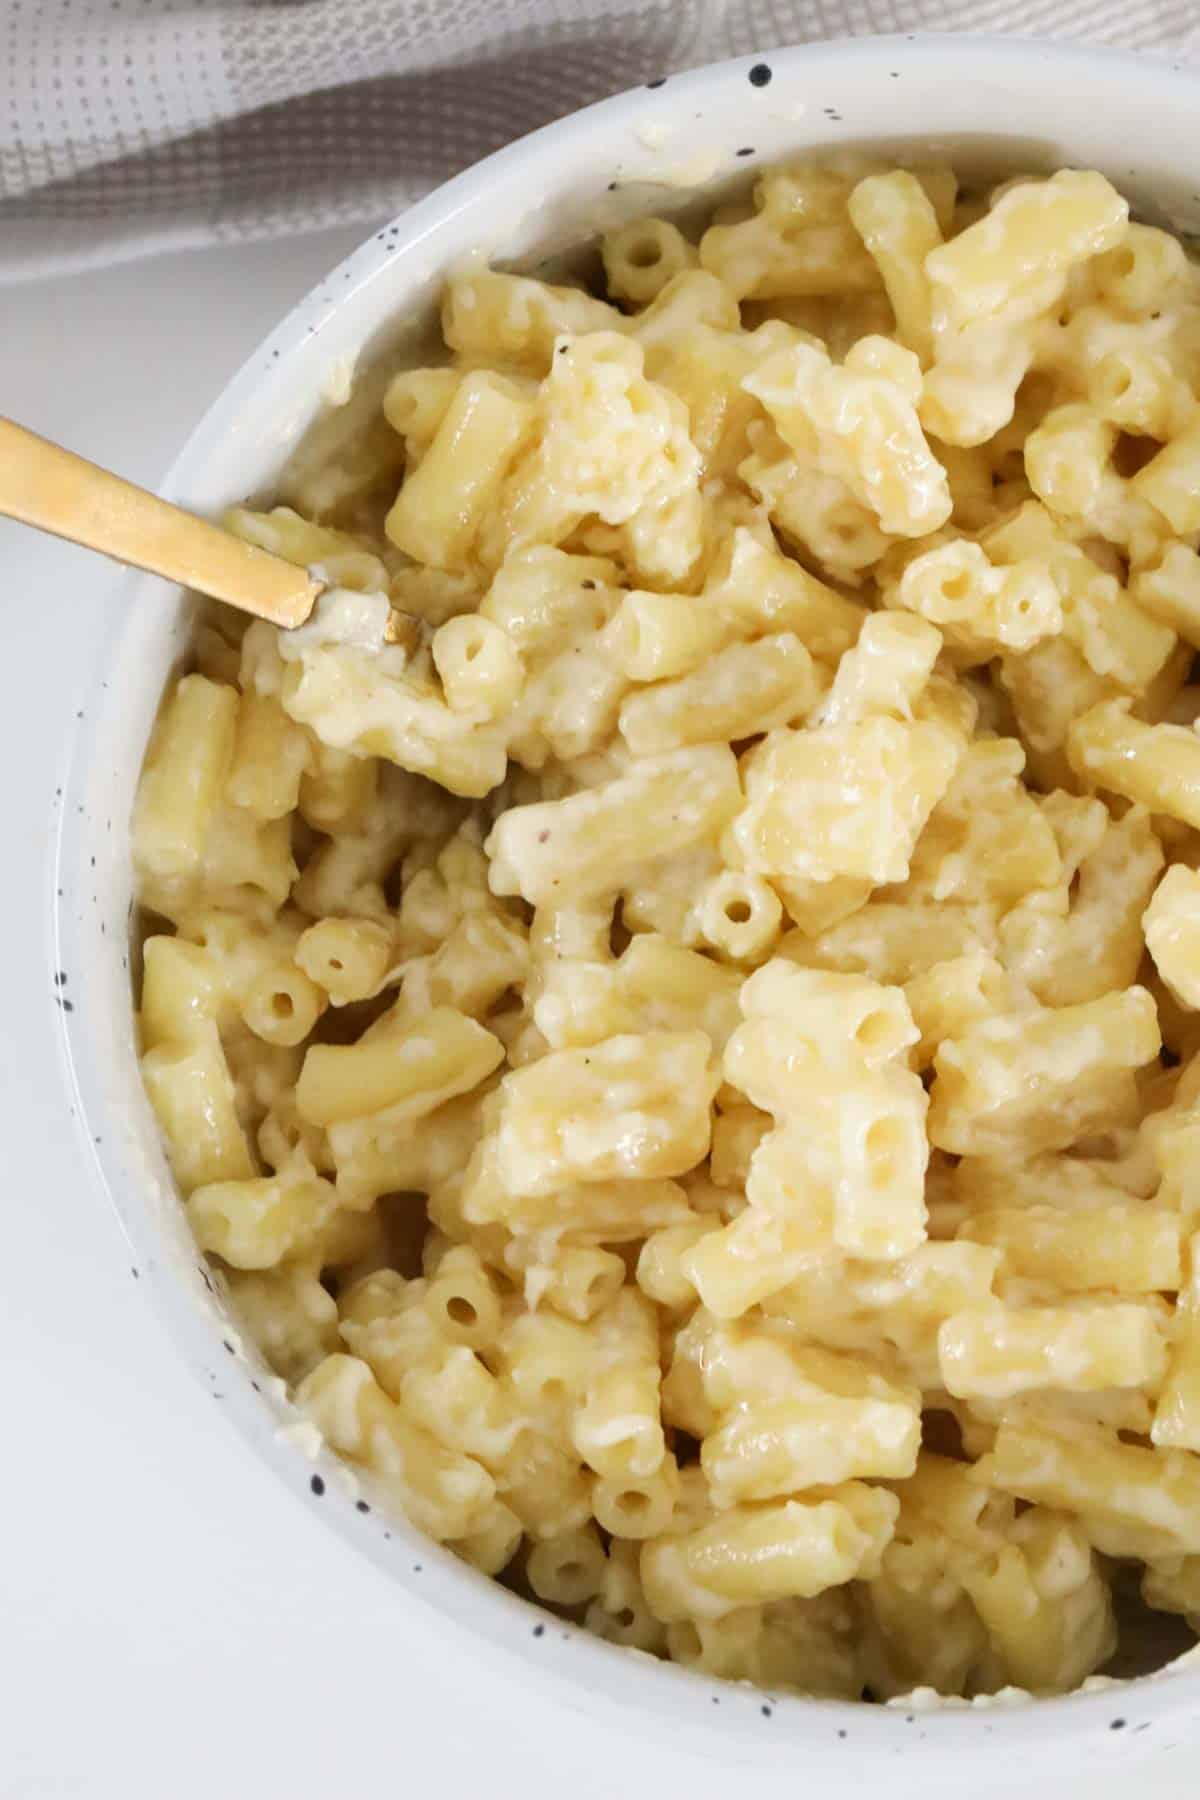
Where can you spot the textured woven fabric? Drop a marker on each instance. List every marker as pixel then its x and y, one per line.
pixel 128 126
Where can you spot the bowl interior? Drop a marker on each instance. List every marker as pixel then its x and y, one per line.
pixel 990 106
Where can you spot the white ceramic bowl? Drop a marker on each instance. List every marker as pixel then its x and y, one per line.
pixel 1008 101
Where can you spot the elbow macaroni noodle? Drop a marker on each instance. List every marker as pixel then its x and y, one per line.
pixel 666 1052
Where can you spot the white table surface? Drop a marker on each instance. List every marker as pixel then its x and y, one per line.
pixel 172 1623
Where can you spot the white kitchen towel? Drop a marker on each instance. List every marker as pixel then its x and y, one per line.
pixel 129 126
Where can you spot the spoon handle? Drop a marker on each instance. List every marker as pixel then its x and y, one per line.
pixel 51 488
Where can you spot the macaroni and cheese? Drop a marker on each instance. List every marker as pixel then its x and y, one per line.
pixel 673 1003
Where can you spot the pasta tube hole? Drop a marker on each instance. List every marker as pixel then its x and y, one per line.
pixel 644 252
pixel 875 1032
pixel 283 1005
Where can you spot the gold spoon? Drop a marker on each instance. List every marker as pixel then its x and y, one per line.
pixel 42 484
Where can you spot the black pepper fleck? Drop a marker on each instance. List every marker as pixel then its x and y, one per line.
pixel 612 187
pixel 58 793
pixel 895 74
pixel 909 1719
pixel 539 1631
pixel 760 75
pixel 361 1506
pixel 747 150
pixel 715 1698
pixel 843 1734
pixel 135 1274
pixel 661 82
pixel 765 1711
pixel 417 1567
pixel 60 979
pixel 1118 1725
pixel 317 1484
pixel 229 1346
pixel 256 1387
pixel 66 1005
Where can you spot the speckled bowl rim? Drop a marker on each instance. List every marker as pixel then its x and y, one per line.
pixel 89 912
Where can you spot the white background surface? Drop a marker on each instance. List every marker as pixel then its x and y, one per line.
pixel 173 1624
